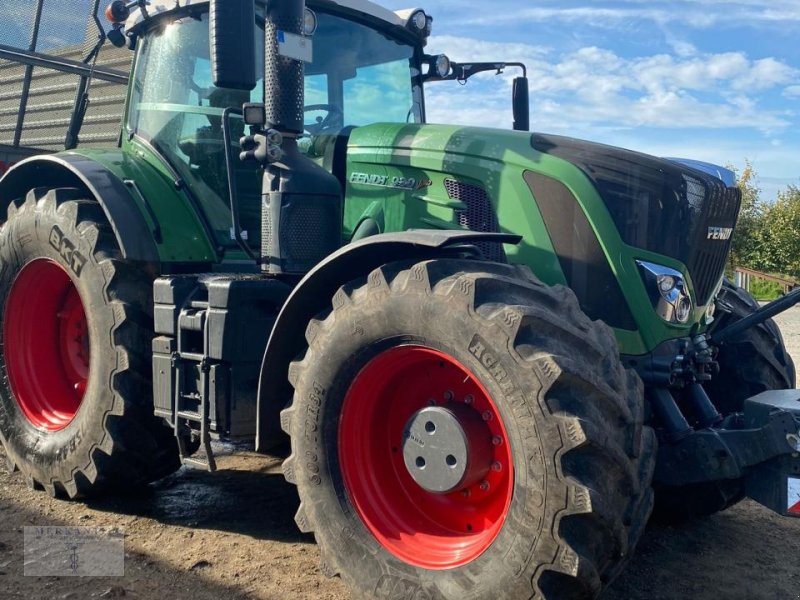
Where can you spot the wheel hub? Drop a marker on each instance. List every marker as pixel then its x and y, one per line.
pixel 447 448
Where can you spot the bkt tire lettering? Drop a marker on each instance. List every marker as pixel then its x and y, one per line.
pixel 67 250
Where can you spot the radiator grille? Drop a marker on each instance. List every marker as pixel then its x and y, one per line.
pixel 718 207
pixel 658 205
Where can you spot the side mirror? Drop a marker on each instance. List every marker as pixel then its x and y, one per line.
pixel 521 103
pixel 233 44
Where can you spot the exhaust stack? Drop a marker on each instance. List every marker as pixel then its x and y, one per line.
pixel 284 88
pixel 301 202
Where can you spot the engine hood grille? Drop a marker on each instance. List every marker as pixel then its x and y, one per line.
pixel 658 205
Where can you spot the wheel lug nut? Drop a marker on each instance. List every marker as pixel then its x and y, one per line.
pixel 448 395
pixel 465 493
pixel 484 486
pixel 487 416
pixel 497 441
pixel 497 466
pixel 469 399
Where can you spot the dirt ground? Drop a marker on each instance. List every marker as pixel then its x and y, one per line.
pixel 231 535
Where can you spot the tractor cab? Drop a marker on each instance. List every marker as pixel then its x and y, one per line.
pixel 363 68
pixel 362 64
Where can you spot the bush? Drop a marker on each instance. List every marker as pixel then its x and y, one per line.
pixel 765 290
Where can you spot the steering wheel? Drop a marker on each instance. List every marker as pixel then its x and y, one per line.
pixel 327 122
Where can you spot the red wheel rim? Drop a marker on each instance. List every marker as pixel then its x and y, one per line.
pixel 46 345
pixel 424 529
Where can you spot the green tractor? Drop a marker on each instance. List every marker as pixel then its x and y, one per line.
pixel 493 352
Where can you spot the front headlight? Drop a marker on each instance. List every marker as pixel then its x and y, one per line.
pixel 667 290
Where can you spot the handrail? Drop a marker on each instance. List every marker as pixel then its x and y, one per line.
pixel 64 65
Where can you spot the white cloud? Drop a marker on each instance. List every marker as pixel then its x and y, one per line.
pixel 682 48
pixel 695 14
pixel 596 87
pixel 793 91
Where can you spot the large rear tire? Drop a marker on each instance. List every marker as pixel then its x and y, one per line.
pixel 755 361
pixel 555 491
pixel 75 368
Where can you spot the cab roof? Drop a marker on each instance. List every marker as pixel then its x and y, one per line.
pixel 365 7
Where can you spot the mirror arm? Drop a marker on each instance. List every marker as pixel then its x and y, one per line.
pixel 461 72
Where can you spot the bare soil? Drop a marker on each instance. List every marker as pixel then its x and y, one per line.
pixel 231 535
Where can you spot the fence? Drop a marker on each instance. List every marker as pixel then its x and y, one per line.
pixel 745 277
pixel 43 48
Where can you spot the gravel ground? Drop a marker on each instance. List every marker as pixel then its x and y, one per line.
pixel 790 327
pixel 230 535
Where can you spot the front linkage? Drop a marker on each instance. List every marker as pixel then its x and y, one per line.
pixel 758 446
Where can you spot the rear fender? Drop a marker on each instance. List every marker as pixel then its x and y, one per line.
pixel 313 294
pixel 136 238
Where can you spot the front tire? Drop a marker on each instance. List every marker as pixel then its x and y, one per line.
pixel 527 377
pixel 755 361
pixel 75 374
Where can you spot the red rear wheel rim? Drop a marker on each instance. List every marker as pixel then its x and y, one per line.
pixel 46 345
pixel 427 530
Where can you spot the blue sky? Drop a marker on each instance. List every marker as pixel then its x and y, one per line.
pixel 714 80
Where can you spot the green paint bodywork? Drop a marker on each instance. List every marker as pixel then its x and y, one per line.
pixel 497 161
pixel 429 154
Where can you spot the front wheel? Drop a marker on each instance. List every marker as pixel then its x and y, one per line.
pixel 460 430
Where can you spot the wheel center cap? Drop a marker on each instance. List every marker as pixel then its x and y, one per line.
pixel 447 448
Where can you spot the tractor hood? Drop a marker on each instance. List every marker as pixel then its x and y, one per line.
pixel 587 212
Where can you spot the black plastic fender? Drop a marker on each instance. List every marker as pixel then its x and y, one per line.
pixel 134 236
pixel 314 292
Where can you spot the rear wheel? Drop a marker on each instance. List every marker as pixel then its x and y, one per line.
pixel 461 430
pixel 755 361
pixel 75 415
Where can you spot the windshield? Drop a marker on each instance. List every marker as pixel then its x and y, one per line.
pixel 358 76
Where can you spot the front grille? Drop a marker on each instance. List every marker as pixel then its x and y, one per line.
pixel 707 263
pixel 658 205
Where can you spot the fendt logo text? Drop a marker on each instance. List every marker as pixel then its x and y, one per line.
pixel 720 233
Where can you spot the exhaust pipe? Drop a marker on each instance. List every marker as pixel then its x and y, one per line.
pixel 284 87
pixel 301 217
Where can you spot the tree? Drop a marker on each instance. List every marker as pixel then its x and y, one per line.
pixel 745 241
pixel 777 238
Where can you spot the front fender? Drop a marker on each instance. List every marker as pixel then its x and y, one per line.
pixel 313 294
